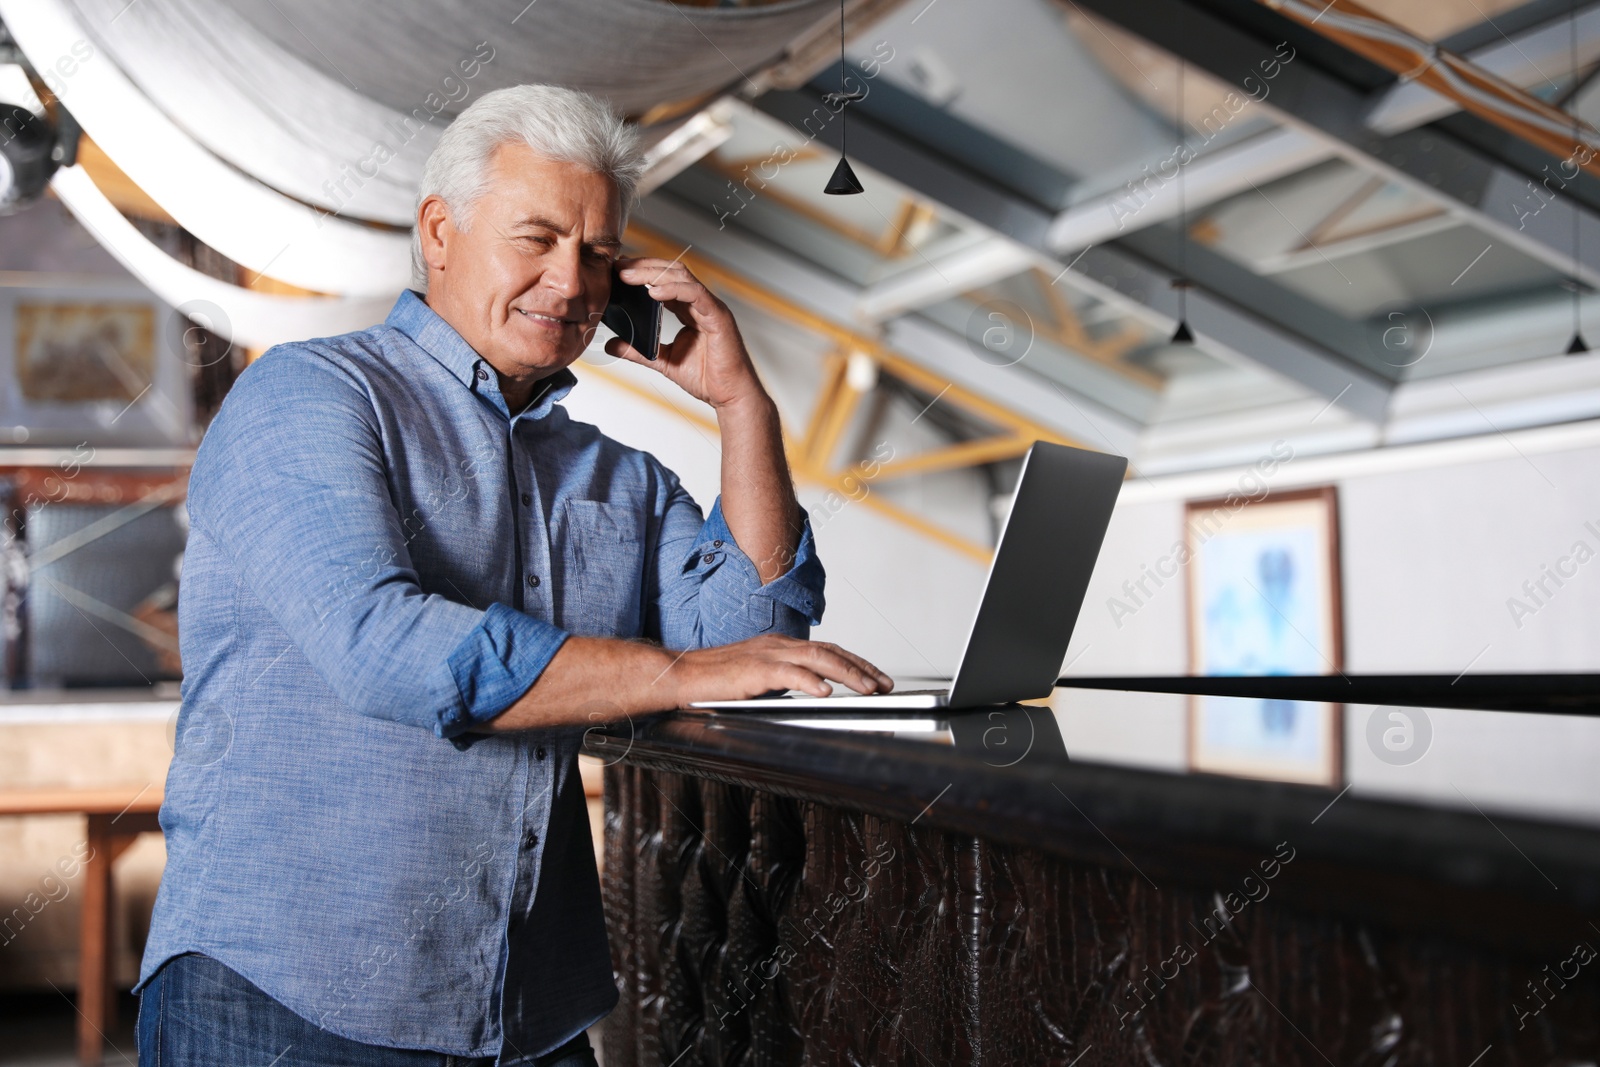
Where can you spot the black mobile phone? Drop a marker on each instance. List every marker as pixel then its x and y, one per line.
pixel 634 315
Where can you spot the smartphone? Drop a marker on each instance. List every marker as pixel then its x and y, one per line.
pixel 634 315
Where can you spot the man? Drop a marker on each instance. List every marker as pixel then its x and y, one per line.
pixel 411 581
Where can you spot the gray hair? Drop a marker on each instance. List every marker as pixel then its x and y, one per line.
pixel 564 125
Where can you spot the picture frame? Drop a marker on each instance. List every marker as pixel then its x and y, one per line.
pixel 84 352
pixel 92 361
pixel 1265 598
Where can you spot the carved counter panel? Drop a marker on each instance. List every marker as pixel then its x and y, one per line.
pixel 749 928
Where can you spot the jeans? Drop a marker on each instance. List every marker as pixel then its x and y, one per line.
pixel 196 1012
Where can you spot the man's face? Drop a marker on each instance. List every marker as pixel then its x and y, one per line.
pixel 526 284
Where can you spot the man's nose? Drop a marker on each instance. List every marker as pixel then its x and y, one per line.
pixel 562 274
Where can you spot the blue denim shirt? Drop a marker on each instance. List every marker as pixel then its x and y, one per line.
pixel 381 557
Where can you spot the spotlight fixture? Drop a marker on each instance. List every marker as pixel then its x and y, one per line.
pixel 29 155
pixel 844 181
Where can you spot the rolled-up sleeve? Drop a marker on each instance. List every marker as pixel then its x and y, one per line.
pixel 497 662
pixel 709 591
pixel 291 483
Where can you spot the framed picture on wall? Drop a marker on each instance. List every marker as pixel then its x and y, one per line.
pixel 1265 599
pixel 77 352
pixel 91 362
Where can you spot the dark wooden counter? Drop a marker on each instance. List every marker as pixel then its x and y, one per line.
pixel 1549 694
pixel 780 894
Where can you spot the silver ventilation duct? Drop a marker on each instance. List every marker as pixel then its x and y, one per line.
pixel 291 136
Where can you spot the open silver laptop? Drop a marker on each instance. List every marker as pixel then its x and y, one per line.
pixel 1037 580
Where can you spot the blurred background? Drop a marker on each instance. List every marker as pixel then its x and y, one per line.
pixel 1332 301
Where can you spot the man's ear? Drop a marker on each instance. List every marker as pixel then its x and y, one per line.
pixel 434 229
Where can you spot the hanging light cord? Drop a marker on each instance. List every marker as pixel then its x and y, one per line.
pixel 1183 205
pixel 844 105
pixel 1572 45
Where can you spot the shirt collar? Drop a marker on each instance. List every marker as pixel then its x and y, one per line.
pixel 412 316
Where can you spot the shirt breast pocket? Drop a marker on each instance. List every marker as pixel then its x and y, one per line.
pixel 603 544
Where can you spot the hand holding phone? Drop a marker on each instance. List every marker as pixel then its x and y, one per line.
pixel 634 315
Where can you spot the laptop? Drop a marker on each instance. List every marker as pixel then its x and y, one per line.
pixel 1037 581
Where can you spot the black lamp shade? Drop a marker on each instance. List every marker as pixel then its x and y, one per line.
pixel 844 180
pixel 1578 347
pixel 1183 335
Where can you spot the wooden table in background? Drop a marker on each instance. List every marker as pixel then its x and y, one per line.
pixel 115 817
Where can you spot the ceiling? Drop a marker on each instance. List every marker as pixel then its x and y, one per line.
pixel 1051 185
pixel 1018 159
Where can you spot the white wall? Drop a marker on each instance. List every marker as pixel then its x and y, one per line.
pixel 1433 556
pixel 1431 552
pixel 1435 540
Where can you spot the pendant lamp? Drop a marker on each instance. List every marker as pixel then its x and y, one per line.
pixel 844 181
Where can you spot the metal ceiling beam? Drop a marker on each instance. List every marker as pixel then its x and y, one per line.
pixel 1237 322
pixel 1142 284
pixel 1489 192
pixel 937 177
pixel 997 160
pixel 940 277
pixel 1140 275
pixel 1151 198
pixel 1521 58
pixel 1402 53
pixel 1528 59
pixel 1017 388
pixel 1208 179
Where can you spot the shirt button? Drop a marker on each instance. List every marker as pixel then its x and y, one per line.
pixel 708 558
pixel 538 753
pixel 716 544
pixel 530 840
pixel 533 581
pixel 483 375
pixel 527 499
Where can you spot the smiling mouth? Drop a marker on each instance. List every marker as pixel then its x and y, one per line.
pixel 553 319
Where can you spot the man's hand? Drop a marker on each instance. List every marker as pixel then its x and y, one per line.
pixel 761 664
pixel 707 359
pixel 634 677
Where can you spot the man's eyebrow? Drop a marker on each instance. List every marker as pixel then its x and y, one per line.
pixel 604 240
pixel 542 223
